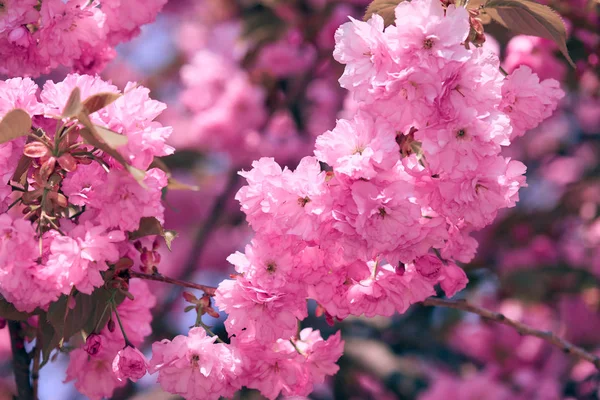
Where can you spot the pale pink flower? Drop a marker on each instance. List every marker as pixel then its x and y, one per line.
pixel 129 363
pixel 264 315
pixel 426 33
pixel 78 259
pixel 93 374
pixel 280 201
pixel 527 101
pixel 359 148
pixel 196 367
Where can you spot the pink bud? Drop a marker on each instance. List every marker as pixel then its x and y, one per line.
pixel 93 344
pixel 111 325
pixel 67 162
pixel 47 168
pixel 19 36
pixel 35 150
pixel 129 363
pixel 189 297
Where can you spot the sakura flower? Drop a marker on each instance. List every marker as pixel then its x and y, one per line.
pixel 275 369
pixel 79 257
pixel 282 201
pixel 129 363
pixel 359 148
pixel 196 367
pixel 321 355
pixel 362 48
pixel 264 315
pixel 528 101
pixel 123 201
pixel 93 374
pixel 429 34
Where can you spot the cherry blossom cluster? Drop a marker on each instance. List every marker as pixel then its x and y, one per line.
pixel 38 36
pixel 384 210
pixel 68 213
pixel 69 208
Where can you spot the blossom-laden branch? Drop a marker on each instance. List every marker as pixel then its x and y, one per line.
pixel 210 290
pixel 525 330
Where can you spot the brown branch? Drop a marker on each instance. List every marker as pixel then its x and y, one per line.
pixel 523 329
pixel 203 234
pixel 35 371
pixel 209 290
pixel 20 361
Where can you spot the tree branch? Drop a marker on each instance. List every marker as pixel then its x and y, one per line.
pixel 211 222
pixel 209 290
pixel 20 362
pixel 523 329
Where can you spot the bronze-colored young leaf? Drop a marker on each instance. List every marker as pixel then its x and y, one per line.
pixel 385 8
pixel 151 226
pixel 111 138
pixel 16 123
pixel 174 184
pixel 73 106
pixel 8 311
pixel 99 100
pixel 91 136
pixel 20 175
pixel 529 18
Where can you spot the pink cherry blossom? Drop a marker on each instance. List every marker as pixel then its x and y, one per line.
pixel 129 363
pixel 527 100
pixel 359 148
pixel 196 367
pixel 264 315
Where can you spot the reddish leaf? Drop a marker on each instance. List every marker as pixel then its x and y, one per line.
pixel 529 18
pixel 16 123
pixel 384 8
pixel 99 100
pixel 73 106
pixel 111 138
pixel 152 226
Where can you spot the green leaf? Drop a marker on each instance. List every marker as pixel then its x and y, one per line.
pixel 16 123
pixel 48 336
pixel 262 25
pixel 8 311
pixel 384 8
pixel 90 313
pixel 151 226
pixel 529 18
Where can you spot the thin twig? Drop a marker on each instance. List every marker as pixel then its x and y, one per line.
pixel 523 329
pixel 199 243
pixel 20 361
pixel 209 290
pixel 203 234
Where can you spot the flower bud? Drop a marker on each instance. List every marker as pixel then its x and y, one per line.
pixel 129 363
pixel 189 297
pixel 93 344
pixel 67 162
pixel 35 150
pixel 111 325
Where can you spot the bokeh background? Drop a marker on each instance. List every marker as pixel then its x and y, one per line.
pixel 245 79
